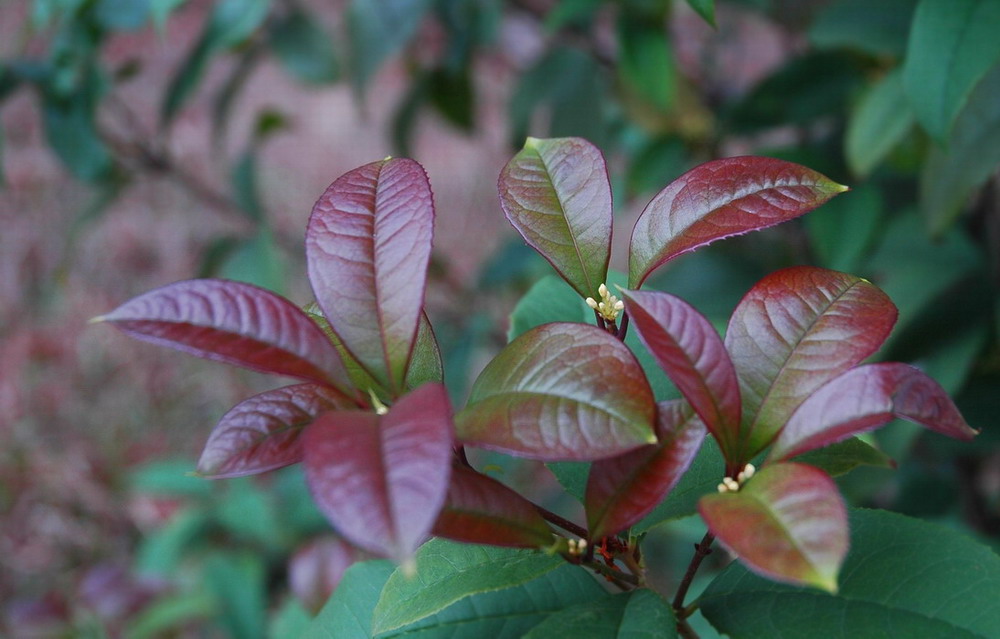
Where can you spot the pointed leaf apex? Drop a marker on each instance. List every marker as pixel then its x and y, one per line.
pixel 409 568
pixel 387 158
pixel 531 143
pixel 97 319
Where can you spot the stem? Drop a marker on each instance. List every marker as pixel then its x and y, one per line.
pixel 623 329
pixel 562 522
pixel 600 321
pixel 685 630
pixel 621 579
pixel 701 550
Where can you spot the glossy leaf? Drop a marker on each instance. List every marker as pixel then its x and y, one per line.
pixel 481 510
pixel 560 392
pixel 263 433
pixel 450 571
pixel 701 478
pixel 235 323
pixel 794 331
pixel 720 199
pixel 952 44
pixel 880 121
pixel 348 613
pixel 640 614
pixel 557 195
pixel 368 244
pixel 902 578
pixel 787 523
pixel 843 457
pixel 692 354
pixel 624 489
pixel 865 398
pixel 381 480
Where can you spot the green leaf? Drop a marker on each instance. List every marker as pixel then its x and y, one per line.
pixel 168 613
pixel 902 578
pixel 161 553
pixel 646 63
pixel 238 582
pixel 550 299
pixel 640 614
pixel 843 457
pixel 122 15
pixel 160 10
pixel 290 620
pixel 453 94
pixel 377 29
pixel 256 261
pixel 304 48
pixel 571 12
pixel 704 8
pixel 844 229
pixel 952 45
pixel 348 613
pixel 953 173
pixel 72 134
pixel 447 572
pixel 701 478
pixel 881 119
pixel 878 28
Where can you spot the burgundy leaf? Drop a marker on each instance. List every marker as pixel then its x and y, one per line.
pixel 263 433
pixel 235 323
pixel 720 199
pixel 315 569
pixel 368 244
pixel 867 397
pixel 481 510
pixel 560 392
pixel 381 480
pixel 788 523
pixel 557 195
pixel 693 356
pixel 794 331
pixel 624 489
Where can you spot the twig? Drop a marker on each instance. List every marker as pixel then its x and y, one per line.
pixel 701 550
pixel 562 522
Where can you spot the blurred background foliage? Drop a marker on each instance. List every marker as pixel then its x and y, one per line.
pixel 146 141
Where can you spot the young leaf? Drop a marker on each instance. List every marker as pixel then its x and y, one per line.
pixel 720 199
pixel 481 510
pixel 235 323
pixel 624 489
pixel 557 195
pixel 841 458
pixel 262 433
pixel 560 392
pixel 881 120
pixel 787 522
pixel 794 331
pixel 639 614
pixel 865 398
pixel 381 480
pixel 368 244
pixel 692 354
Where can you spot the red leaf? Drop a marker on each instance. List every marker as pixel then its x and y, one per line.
pixel 381 480
pixel 557 195
pixel 560 392
pixel 262 433
pixel 624 489
pixel 787 523
pixel 720 199
pixel 315 569
pixel 368 244
pixel 865 398
pixel 481 510
pixel 693 356
pixel 794 331
pixel 235 323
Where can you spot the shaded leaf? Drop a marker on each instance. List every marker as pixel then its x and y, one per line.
pixel 788 522
pixel 72 134
pixel 881 119
pixel 624 489
pixel 238 583
pixel 235 323
pixel 720 199
pixel 304 48
pixel 560 392
pixel 879 28
pixel 952 44
pixel 263 433
pixel 692 354
pixel 843 457
pixel 453 94
pixel 377 29
pixel 481 510
pixel 381 480
pixel 557 195
pixel 865 398
pixel 315 570
pixel 704 8
pixel 640 614
pixel 550 299
pixel 646 63
pixel 368 244
pixel 843 231
pixel 701 478
pixel 902 578
pixel 795 330
pixel 348 613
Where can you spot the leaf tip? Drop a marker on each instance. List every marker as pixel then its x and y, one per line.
pixel 97 319
pixel 408 567
pixel 532 143
pixel 387 158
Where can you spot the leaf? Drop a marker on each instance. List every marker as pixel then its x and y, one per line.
pixel 377 29
pixel 640 614
pixel 238 583
pixel 368 244
pixel 865 398
pixel 255 260
pixel 263 433
pixel 481 510
pixel 548 300
pixel 787 522
pixel 720 199
pixel 235 323
pixel 878 28
pixel 701 478
pixel 72 133
pixel 694 357
pixel 843 231
pixel 348 613
pixel 304 48
pixel 453 94
pixel 704 8
pixel 381 480
pixel 646 63
pixel 448 572
pixel 952 44
pixel 557 195
pixel 902 578
pixel 843 457
pixel 795 330
pixel 624 489
pixel 560 392
pixel 881 119
pixel 953 173
pixel 317 567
